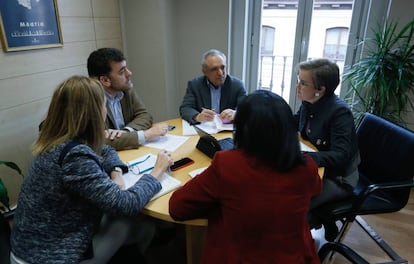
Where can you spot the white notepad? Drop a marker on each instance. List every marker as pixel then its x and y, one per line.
pixel 168 142
pixel 304 147
pixel 145 164
pixel 195 172
pixel 212 127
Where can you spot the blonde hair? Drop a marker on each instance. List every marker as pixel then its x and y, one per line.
pixel 75 112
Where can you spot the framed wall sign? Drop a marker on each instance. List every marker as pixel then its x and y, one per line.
pixel 29 24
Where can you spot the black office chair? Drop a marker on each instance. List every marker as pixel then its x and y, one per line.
pixel 348 253
pixel 343 250
pixel 386 176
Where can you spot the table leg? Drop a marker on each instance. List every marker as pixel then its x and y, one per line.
pixel 195 241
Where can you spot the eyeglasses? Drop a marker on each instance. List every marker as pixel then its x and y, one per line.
pixel 135 169
pixel 217 68
pixel 303 83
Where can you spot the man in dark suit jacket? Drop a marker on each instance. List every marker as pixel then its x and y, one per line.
pixel 215 92
pixel 128 122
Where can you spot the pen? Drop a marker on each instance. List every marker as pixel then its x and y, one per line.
pixel 203 108
pixel 138 162
pixel 146 170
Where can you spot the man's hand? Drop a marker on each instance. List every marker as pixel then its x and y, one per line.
pixel 206 115
pixel 156 131
pixel 111 134
pixel 227 116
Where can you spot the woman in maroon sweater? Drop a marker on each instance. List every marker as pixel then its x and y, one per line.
pixel 256 197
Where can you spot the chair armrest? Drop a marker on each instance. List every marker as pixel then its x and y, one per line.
pixel 381 186
pixel 342 249
pixel 387 186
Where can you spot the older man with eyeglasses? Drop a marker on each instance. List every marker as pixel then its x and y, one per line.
pixel 215 92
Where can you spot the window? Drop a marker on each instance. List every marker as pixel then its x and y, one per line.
pixel 268 40
pixel 336 43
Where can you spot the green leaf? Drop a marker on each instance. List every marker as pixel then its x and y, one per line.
pixel 11 165
pixel 382 81
pixel 4 196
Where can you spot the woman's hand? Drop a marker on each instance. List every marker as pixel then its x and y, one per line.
pixel 116 176
pixel 164 160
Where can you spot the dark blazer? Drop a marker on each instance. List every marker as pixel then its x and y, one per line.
pixel 135 115
pixel 198 96
pixel 329 125
pixel 255 214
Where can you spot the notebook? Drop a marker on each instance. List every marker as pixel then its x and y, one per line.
pixel 144 164
pixel 212 127
pixel 209 144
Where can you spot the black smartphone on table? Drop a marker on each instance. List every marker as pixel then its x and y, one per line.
pixel 181 163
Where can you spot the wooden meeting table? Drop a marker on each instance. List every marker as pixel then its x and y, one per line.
pixel 158 208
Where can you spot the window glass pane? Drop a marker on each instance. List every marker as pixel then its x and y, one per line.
pixel 276 70
pixel 332 15
pixel 268 39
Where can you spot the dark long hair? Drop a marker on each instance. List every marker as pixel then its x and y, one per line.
pixel 264 128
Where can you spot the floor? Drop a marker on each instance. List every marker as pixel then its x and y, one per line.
pixel 168 246
pixel 397 229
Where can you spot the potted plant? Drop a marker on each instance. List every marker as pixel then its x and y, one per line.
pixel 6 214
pixel 381 82
pixel 4 196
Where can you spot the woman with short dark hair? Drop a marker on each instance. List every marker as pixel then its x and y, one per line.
pixel 327 122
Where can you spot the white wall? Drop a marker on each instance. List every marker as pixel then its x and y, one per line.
pixel 401 12
pixel 28 78
pixel 164 41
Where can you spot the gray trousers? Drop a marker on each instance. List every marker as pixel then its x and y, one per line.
pixel 331 191
pixel 115 232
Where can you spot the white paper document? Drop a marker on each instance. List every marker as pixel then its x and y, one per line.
pixel 195 172
pixel 222 126
pixel 167 142
pixel 304 147
pixel 144 164
pixel 188 130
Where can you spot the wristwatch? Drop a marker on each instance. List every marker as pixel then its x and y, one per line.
pixel 118 169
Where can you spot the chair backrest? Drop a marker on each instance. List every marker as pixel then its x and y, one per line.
pixel 387 152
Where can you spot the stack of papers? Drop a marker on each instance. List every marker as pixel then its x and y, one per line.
pixel 222 126
pixel 145 164
pixel 212 127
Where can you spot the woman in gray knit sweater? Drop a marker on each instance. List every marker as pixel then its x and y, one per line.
pixel 74 180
